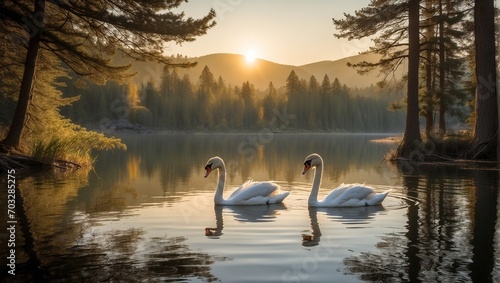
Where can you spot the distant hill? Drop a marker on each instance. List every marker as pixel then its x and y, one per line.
pixel 346 75
pixel 234 69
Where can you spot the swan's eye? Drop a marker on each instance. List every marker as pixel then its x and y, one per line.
pixel 208 166
pixel 308 162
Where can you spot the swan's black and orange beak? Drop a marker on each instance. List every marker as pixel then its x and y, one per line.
pixel 208 169
pixel 307 166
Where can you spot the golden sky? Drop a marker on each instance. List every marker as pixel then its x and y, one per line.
pixel 283 31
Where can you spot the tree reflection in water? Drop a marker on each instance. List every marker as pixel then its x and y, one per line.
pixel 450 237
pixel 114 256
pixel 68 246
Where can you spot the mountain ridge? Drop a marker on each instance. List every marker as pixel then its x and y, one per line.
pixel 235 70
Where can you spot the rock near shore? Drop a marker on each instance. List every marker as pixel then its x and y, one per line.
pixel 122 125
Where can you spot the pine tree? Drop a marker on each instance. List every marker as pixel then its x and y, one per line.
pixel 270 102
pixel 152 100
pixel 412 138
pixel 294 91
pixel 486 109
pixel 388 21
pixel 427 101
pixel 220 103
pixel 313 103
pixel 439 42
pixel 187 109
pixel 249 113
pixel 393 22
pixel 48 135
pixel 85 35
pixel 206 98
pixel 325 92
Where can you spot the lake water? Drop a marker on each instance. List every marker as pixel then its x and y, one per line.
pixel 140 216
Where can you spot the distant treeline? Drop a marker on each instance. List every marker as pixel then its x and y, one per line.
pixel 177 103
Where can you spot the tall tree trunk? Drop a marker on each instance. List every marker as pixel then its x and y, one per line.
pixel 412 138
pixel 486 113
pixel 429 108
pixel 13 137
pixel 429 103
pixel 442 99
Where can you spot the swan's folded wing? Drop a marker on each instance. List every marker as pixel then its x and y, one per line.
pixel 337 192
pixel 243 187
pixel 349 194
pixel 252 189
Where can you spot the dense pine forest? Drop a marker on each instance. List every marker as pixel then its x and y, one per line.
pixel 208 103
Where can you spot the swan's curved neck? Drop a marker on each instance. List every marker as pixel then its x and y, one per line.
pixel 313 197
pixel 218 198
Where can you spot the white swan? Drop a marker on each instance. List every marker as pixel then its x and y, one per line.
pixel 250 193
pixel 343 195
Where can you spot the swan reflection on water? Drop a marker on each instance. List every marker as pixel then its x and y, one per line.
pixel 344 215
pixel 249 213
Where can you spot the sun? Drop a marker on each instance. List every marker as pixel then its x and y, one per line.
pixel 250 56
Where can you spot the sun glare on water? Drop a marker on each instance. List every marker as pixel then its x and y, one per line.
pixel 250 56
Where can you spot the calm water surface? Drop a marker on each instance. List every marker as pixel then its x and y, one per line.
pixel 141 215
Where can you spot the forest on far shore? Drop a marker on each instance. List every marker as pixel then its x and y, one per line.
pixel 208 103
